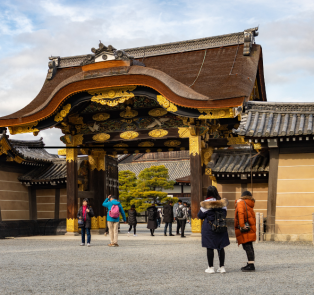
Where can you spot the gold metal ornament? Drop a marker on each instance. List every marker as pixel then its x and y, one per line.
pixel 195 145
pixel 129 135
pixel 165 103
pixel 146 144
pixel 4 146
pixel 158 133
pixel 72 225
pixel 128 113
pixel 236 140
pixel 101 137
pixel 147 151
pixel 206 155
pixel 136 151
pixel 170 149
pixel 217 113
pixel 159 150
pixel 196 225
pixel 157 112
pixel 112 96
pixel 184 132
pixel 94 223
pixel 172 143
pixel 24 128
pixel 257 146
pixel 65 110
pixel 101 117
pixel 125 152
pixel 71 154
pixel 62 152
pixel 182 148
pixel 120 146
pixel 76 119
pixel 102 221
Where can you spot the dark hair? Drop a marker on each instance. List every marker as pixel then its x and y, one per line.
pixel 246 193
pixel 213 193
pixel 132 206
pixel 180 201
pixel 85 200
pixel 185 203
pixel 113 197
pixel 170 202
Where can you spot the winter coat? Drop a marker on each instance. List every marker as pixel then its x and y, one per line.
pixel 168 213
pixel 108 204
pixel 184 210
pixel 240 218
pixel 132 217
pixel 212 239
pixel 152 224
pixel 88 216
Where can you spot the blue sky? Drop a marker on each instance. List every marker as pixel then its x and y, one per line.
pixel 30 31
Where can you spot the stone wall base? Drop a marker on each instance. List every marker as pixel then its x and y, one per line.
pixel 289 238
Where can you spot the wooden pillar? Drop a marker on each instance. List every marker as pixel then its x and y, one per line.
pixel 32 203
pixel 196 181
pixel 72 190
pixel 57 203
pixel 272 190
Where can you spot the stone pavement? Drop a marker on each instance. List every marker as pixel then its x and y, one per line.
pixel 149 265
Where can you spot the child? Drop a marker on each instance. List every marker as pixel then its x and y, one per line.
pixel 85 213
pixel 132 219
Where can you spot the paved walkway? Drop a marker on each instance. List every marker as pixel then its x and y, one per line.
pixel 149 265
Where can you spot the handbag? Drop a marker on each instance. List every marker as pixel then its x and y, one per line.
pixel 81 220
pixel 244 230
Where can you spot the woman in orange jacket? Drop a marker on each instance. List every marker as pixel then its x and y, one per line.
pixel 245 227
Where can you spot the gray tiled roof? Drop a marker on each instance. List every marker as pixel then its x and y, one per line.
pixel 177 169
pixel 271 119
pixel 234 161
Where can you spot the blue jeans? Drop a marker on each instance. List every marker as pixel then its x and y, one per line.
pixel 170 228
pixel 83 234
pixel 158 222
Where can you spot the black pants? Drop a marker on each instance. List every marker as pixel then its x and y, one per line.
pixel 134 226
pixel 248 247
pixel 152 232
pixel 210 257
pixel 178 226
pixel 182 225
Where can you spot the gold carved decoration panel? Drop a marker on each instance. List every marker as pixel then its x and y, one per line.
pixel 76 119
pixel 158 133
pixel 120 146
pixel 129 135
pixel 128 113
pixel 217 113
pixel 24 128
pixel 101 137
pixel 195 145
pixel 206 155
pixel 146 144
pixel 157 112
pixel 172 143
pixel 112 96
pixel 101 117
pixel 65 110
pixel 165 103
pixel 236 140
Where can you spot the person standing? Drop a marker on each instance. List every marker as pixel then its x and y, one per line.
pixel 175 215
pixel 168 218
pixel 189 214
pixel 84 214
pixel 182 216
pixel 211 208
pixel 245 227
pixel 114 209
pixel 158 217
pixel 152 219
pixel 132 219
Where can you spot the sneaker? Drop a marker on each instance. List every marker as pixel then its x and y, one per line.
pixel 165 235
pixel 88 244
pixel 221 269
pixel 171 235
pixel 248 267
pixel 128 234
pixel 210 270
pixel 115 245
pixel 134 235
pixel 183 236
pixel 110 245
pixel 82 244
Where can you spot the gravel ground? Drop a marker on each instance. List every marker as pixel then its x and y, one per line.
pixel 154 265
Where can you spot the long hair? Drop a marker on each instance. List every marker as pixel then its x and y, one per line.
pixel 213 193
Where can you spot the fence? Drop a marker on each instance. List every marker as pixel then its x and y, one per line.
pixel 261 227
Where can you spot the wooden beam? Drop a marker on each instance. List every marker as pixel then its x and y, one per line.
pixel 57 203
pixel 272 189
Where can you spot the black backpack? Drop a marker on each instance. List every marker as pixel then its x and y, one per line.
pixel 180 213
pixel 151 215
pixel 219 225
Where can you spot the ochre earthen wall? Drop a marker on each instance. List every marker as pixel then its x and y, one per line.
pixel 295 196
pixel 13 197
pixel 45 203
pixel 63 203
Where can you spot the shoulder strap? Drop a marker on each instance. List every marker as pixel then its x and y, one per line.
pixel 247 214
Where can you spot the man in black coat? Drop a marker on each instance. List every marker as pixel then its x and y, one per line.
pixel 168 218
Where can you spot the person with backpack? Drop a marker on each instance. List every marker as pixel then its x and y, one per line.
pixel 168 218
pixel 175 208
pixel 152 219
pixel 245 227
pixel 114 209
pixel 84 215
pixel 182 216
pixel 132 219
pixel 214 229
